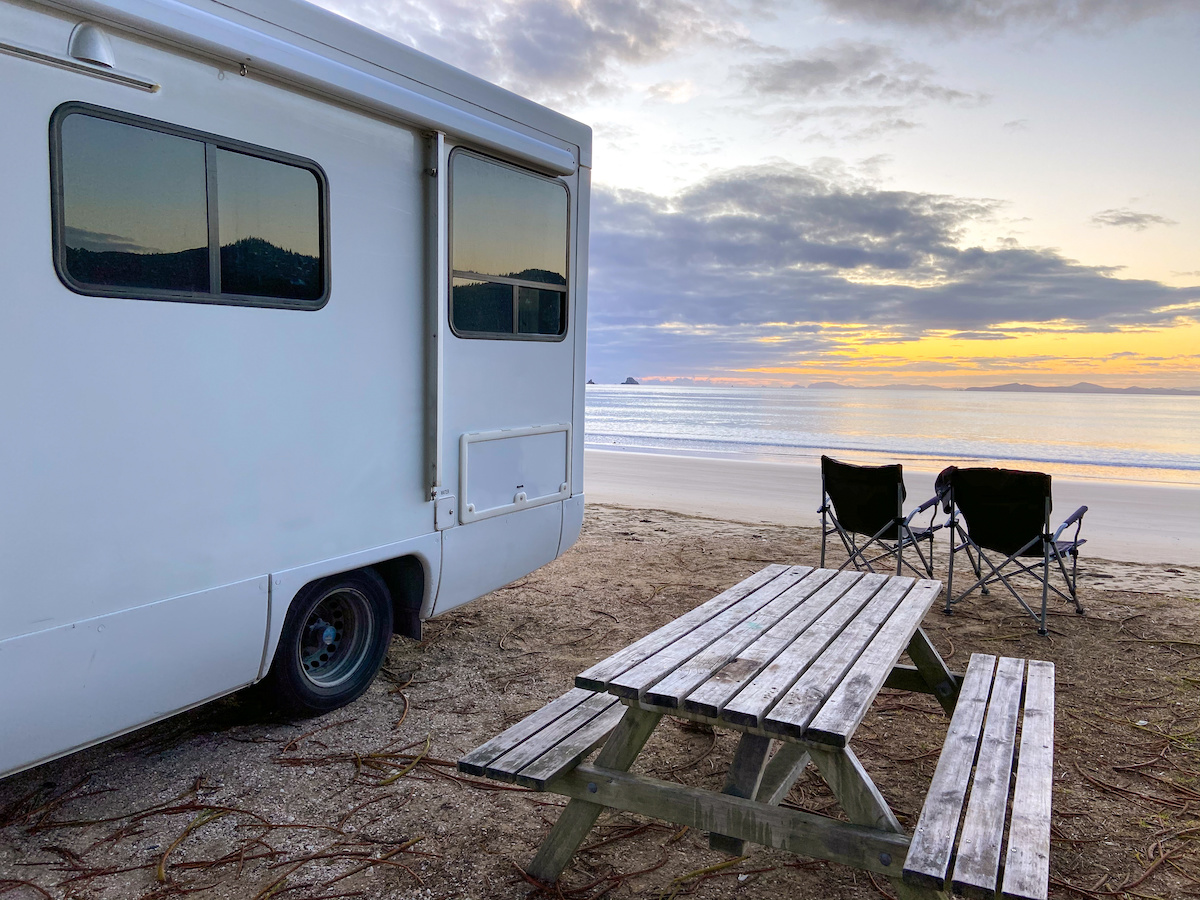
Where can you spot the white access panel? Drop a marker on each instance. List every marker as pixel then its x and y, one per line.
pixel 510 469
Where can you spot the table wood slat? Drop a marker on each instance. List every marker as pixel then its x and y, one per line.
pixel 710 697
pixel 597 677
pixel 475 762
pixel 929 855
pixel 978 860
pixel 1027 863
pixel 841 714
pixel 637 680
pixel 796 708
pixel 755 700
pixel 506 766
pixel 671 690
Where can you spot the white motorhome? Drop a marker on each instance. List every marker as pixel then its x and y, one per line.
pixel 292 320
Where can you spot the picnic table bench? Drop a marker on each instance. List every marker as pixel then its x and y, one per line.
pixel 792 658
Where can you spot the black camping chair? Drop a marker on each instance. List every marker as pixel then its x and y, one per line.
pixel 1007 512
pixel 868 501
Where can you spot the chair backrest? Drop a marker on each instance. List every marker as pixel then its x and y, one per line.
pixel 1004 509
pixel 865 498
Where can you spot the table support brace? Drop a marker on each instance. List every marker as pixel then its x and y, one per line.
pixel 806 834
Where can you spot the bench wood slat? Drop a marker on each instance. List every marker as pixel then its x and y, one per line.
pixel 978 861
pixel 568 753
pixel 929 855
pixel 671 690
pixel 663 662
pixel 475 762
pixel 709 698
pixel 1027 863
pixel 800 704
pixel 757 696
pixel 597 677
pixel 841 714
pixel 559 733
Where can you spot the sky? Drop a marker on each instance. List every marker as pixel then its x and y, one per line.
pixel 949 192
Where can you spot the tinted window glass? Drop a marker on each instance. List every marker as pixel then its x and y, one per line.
pixel 482 306
pixel 269 229
pixel 507 222
pixel 134 206
pixel 540 312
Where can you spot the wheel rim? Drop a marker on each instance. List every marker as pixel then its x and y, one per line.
pixel 334 638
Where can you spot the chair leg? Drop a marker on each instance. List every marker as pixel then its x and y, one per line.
pixel 824 535
pixel 950 573
pixel 1045 587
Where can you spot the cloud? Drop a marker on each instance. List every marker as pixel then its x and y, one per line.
pixel 849 70
pixel 550 50
pixel 1016 125
pixel 1128 218
pixel 956 16
pixel 775 264
pixel 101 242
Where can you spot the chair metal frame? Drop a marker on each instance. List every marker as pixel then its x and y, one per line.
pixel 908 535
pixel 1053 548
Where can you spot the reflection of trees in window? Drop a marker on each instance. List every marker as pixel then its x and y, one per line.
pixel 509 250
pixel 128 192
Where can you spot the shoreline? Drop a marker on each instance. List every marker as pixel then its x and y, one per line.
pixel 1126 521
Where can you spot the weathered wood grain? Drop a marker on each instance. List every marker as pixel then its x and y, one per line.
pixel 943 683
pixel 929 856
pixel 1027 863
pixel 742 780
pixel 803 833
pixel 569 751
pixel 597 677
pixel 476 761
pixel 750 705
pixel 710 697
pixel 695 671
pixel 841 713
pixel 795 709
pixel 667 658
pixel 978 862
pixel 573 824
pixel 508 765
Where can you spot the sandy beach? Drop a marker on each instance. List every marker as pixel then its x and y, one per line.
pixel 228 803
pixel 1126 521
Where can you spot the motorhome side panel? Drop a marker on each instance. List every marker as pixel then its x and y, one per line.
pixel 155 450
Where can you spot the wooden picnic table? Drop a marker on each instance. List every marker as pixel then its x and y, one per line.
pixel 792 659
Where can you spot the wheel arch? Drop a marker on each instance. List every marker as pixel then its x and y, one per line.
pixel 409 568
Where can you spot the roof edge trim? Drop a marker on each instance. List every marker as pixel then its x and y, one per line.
pixel 218 37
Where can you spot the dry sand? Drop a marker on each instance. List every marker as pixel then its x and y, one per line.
pixel 1137 522
pixel 364 802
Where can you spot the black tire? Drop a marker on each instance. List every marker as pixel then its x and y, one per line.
pixel 333 642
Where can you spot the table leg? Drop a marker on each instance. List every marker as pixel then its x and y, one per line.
pixel 933 669
pixel 743 780
pixel 863 803
pixel 619 752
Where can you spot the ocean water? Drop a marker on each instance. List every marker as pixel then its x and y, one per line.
pixel 1143 438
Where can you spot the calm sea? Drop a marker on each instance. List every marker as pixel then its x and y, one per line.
pixel 1108 436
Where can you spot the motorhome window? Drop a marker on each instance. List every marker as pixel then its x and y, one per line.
pixel 149 210
pixel 508 249
pixel 269 221
pixel 134 207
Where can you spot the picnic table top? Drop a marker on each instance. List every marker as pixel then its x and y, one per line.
pixel 791 652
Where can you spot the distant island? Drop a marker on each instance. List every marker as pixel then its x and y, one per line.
pixel 630 380
pixel 1083 387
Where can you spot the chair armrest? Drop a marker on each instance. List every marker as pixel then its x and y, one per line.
pixel 932 501
pixel 1076 516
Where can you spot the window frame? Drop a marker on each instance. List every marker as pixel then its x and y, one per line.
pixel 514 283
pixel 211 142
